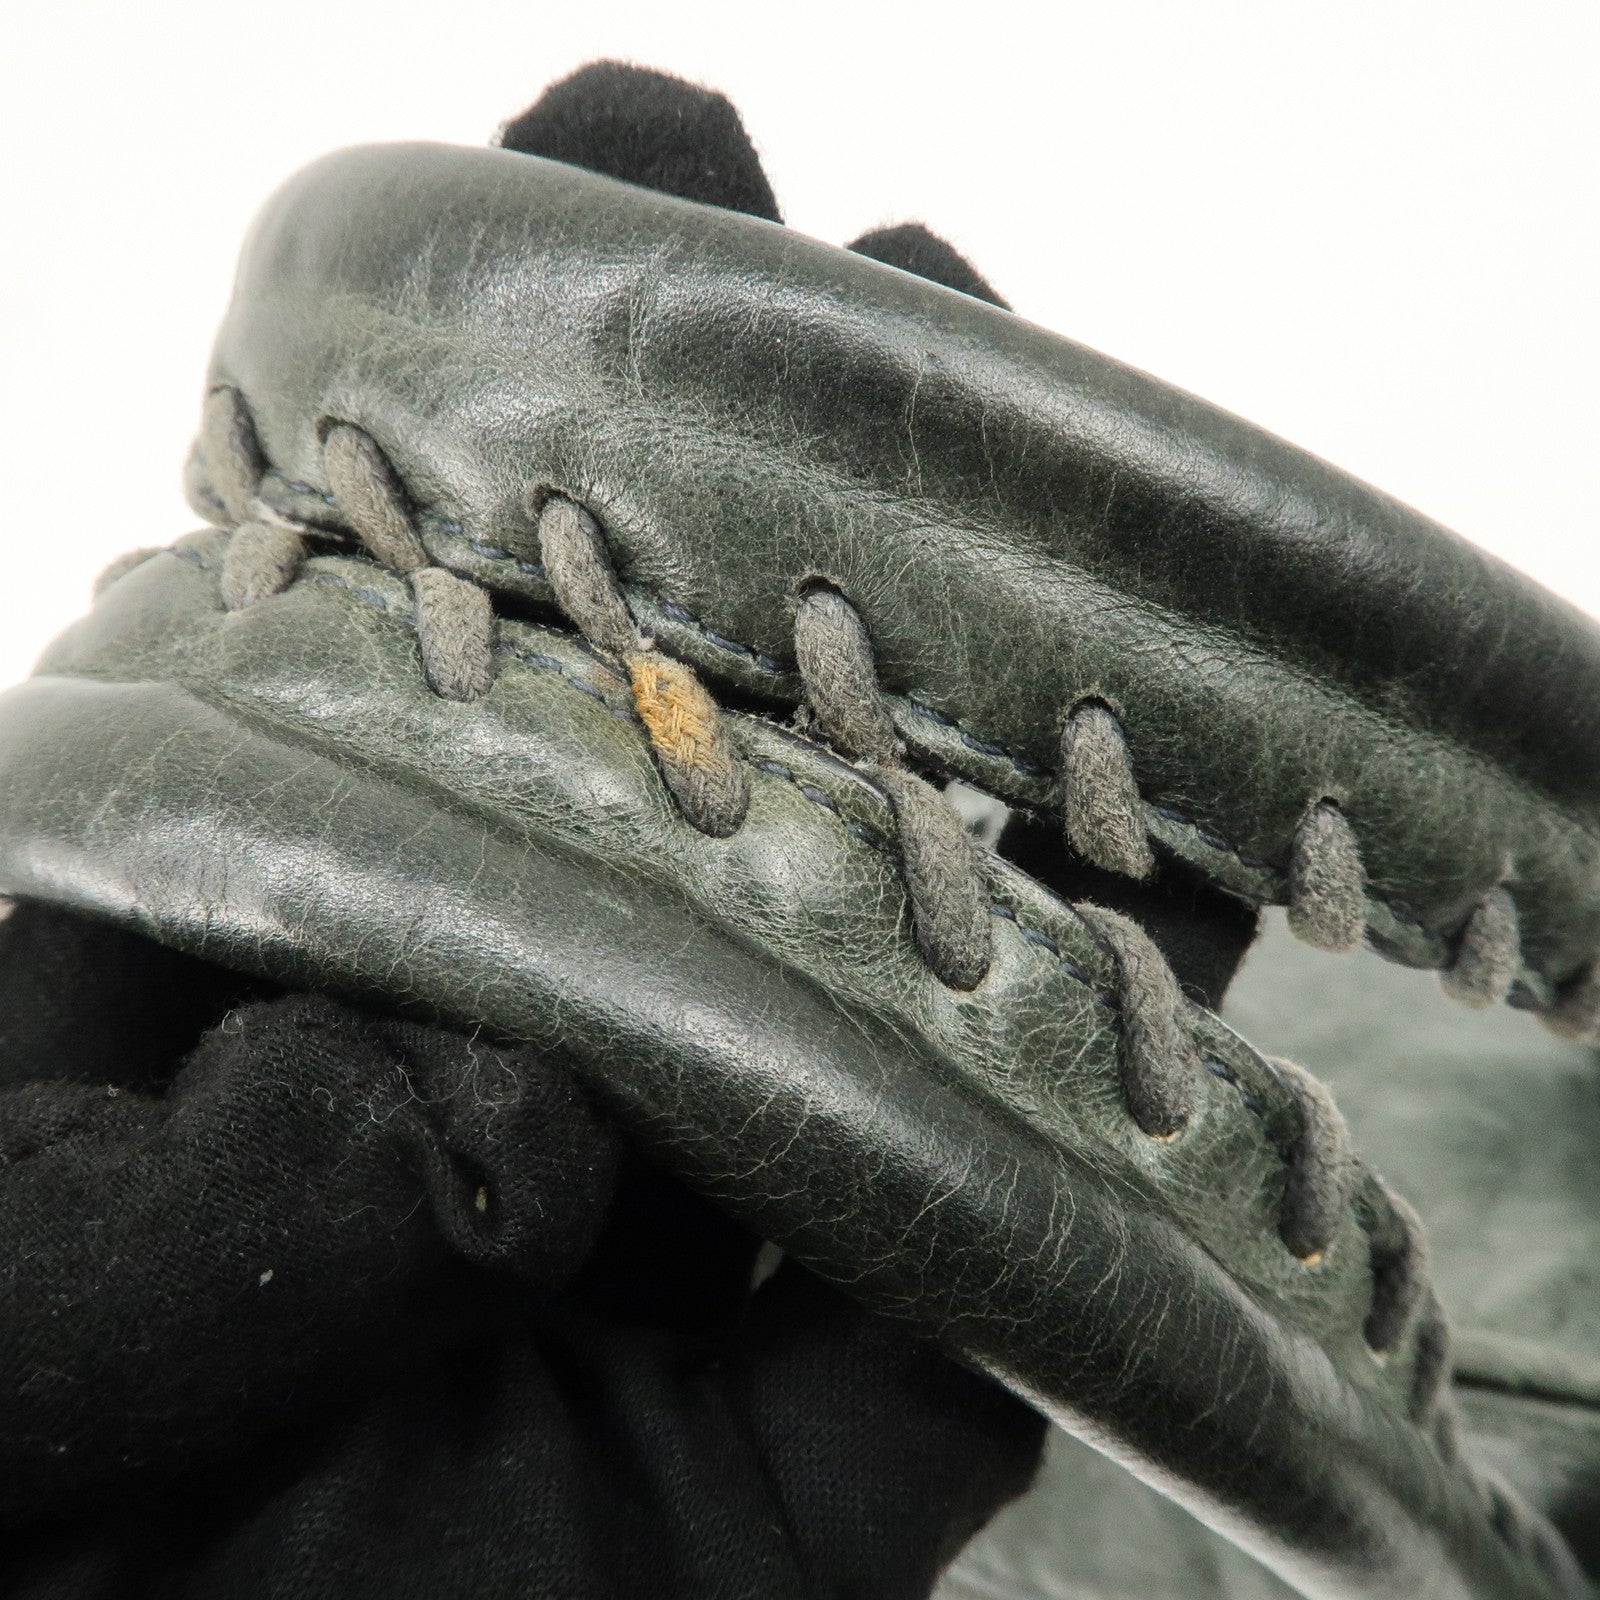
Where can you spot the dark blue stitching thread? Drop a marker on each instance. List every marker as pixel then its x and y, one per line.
pixel 1209 836
pixel 298 487
pixel 448 524
pixel 373 597
pixel 1043 941
pixel 1252 1102
pixel 535 658
pixel 533 569
pixel 494 552
pixel 1029 769
pixel 820 797
pixel 501 648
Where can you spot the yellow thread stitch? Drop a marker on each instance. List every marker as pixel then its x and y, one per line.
pixel 679 715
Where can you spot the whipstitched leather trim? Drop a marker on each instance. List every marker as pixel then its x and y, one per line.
pixel 1481 961
pixel 936 858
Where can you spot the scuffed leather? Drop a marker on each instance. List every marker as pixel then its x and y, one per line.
pixel 1021 522
pixel 278 790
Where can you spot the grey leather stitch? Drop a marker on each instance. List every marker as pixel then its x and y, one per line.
pixel 502 647
pixel 1327 884
pixel 836 665
pixel 455 627
pixel 1576 1012
pixel 840 677
pixel 949 900
pixel 1399 1264
pixel 1431 1377
pixel 233 451
pixel 1103 813
pixel 1576 1017
pixel 454 616
pixel 262 560
pixel 1322 1175
pixel 1159 1061
pixel 1036 937
pixel 1490 953
pixel 367 490
pixel 683 722
pixel 578 566
pixel 264 554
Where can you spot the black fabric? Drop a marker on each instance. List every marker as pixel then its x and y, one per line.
pixel 647 128
pixel 914 248
pixel 152 1003
pixel 340 1305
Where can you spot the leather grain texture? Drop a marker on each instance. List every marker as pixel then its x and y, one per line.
pixel 1021 522
pixel 277 789
pixel 1491 1127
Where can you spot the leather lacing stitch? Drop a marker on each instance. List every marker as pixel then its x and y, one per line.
pixel 455 618
pixel 1327 898
pixel 1102 809
pixel 1158 1057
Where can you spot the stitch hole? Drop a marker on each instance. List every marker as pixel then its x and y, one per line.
pixel 540 495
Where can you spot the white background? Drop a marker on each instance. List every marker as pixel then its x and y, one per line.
pixel 1369 227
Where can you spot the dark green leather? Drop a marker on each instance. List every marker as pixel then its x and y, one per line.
pixel 278 790
pixel 1022 523
pixel 1492 1127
